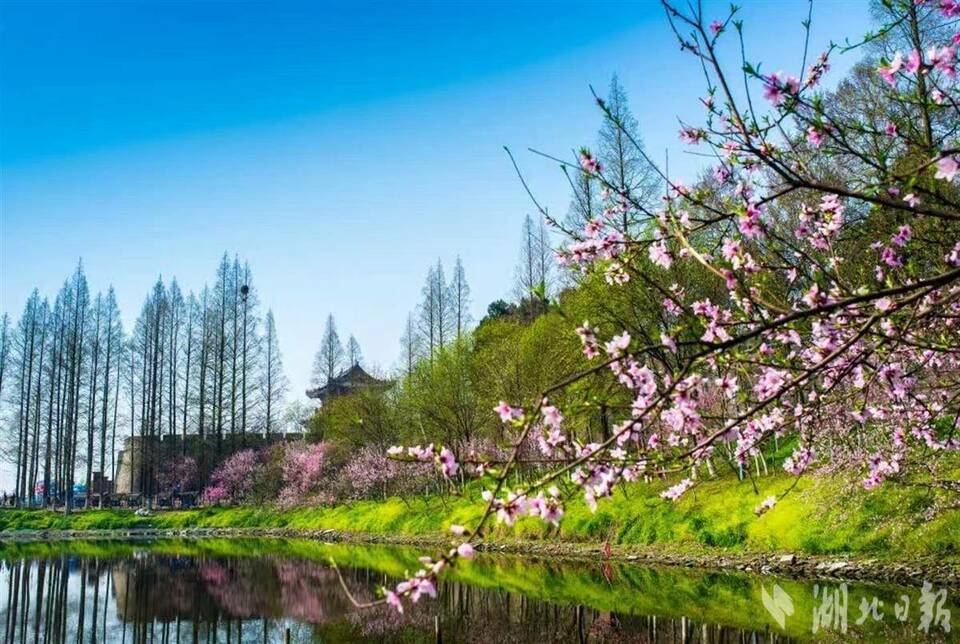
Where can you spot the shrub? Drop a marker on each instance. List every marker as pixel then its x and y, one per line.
pixel 233 479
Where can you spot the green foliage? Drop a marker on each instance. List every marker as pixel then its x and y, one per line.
pixel 369 417
pixel 512 356
pixel 442 397
pixel 818 516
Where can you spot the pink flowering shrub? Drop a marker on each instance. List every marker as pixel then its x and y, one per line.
pixel 289 474
pixel 232 480
pixel 213 495
pixel 370 473
pixel 304 466
pixel 180 474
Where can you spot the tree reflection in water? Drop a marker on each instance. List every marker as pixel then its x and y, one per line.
pixel 150 597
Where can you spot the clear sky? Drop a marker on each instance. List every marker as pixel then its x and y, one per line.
pixel 341 148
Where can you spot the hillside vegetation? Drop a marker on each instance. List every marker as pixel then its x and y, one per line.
pixel 822 515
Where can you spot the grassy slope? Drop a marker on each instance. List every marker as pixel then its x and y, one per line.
pixel 818 516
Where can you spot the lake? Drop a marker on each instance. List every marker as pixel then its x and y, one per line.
pixel 263 590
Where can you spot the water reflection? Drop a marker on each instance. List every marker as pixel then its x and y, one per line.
pixel 176 594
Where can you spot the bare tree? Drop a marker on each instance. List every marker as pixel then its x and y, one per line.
pixel 273 383
pixel 428 313
pixel 4 348
pixel 192 315
pixel 444 306
pixel 621 153
pixel 234 295
pixel 354 355
pixel 34 453
pixel 205 342
pixel 584 200
pixel 249 343
pixel 410 344
pixel 222 293
pixel 460 298
pixel 329 359
pixel 113 337
pixel 26 349
pixel 92 395
pixel 67 364
pixel 80 301
pixel 532 282
pixel 437 314
pixel 174 326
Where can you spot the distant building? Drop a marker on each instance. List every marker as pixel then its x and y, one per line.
pixel 349 381
pixel 101 484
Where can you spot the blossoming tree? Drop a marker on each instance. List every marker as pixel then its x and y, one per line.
pixel 232 481
pixel 831 227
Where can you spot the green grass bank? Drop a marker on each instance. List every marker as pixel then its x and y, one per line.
pixel 818 516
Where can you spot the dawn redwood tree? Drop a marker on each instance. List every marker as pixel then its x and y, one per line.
pixel 234 344
pixel 78 295
pixel 27 347
pixel 354 354
pixel 72 367
pixel 205 342
pixel 192 315
pixel 42 342
pixel 329 358
pixel 4 348
pixel 95 363
pixel 584 201
pixel 273 383
pixel 437 311
pixel 533 276
pixel 131 369
pixel 151 345
pixel 428 314
pixel 121 348
pixel 459 291
pixel 176 315
pixel 410 345
pixel 444 306
pixel 53 372
pixel 249 343
pixel 221 294
pixel 621 151
pixel 834 234
pixel 113 340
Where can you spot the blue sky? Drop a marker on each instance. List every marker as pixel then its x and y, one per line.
pixel 341 148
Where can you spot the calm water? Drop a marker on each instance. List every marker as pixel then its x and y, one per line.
pixel 264 590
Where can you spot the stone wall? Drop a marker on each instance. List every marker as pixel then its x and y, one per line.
pixel 208 453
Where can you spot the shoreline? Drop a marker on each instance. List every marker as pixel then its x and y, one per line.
pixel 853 568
